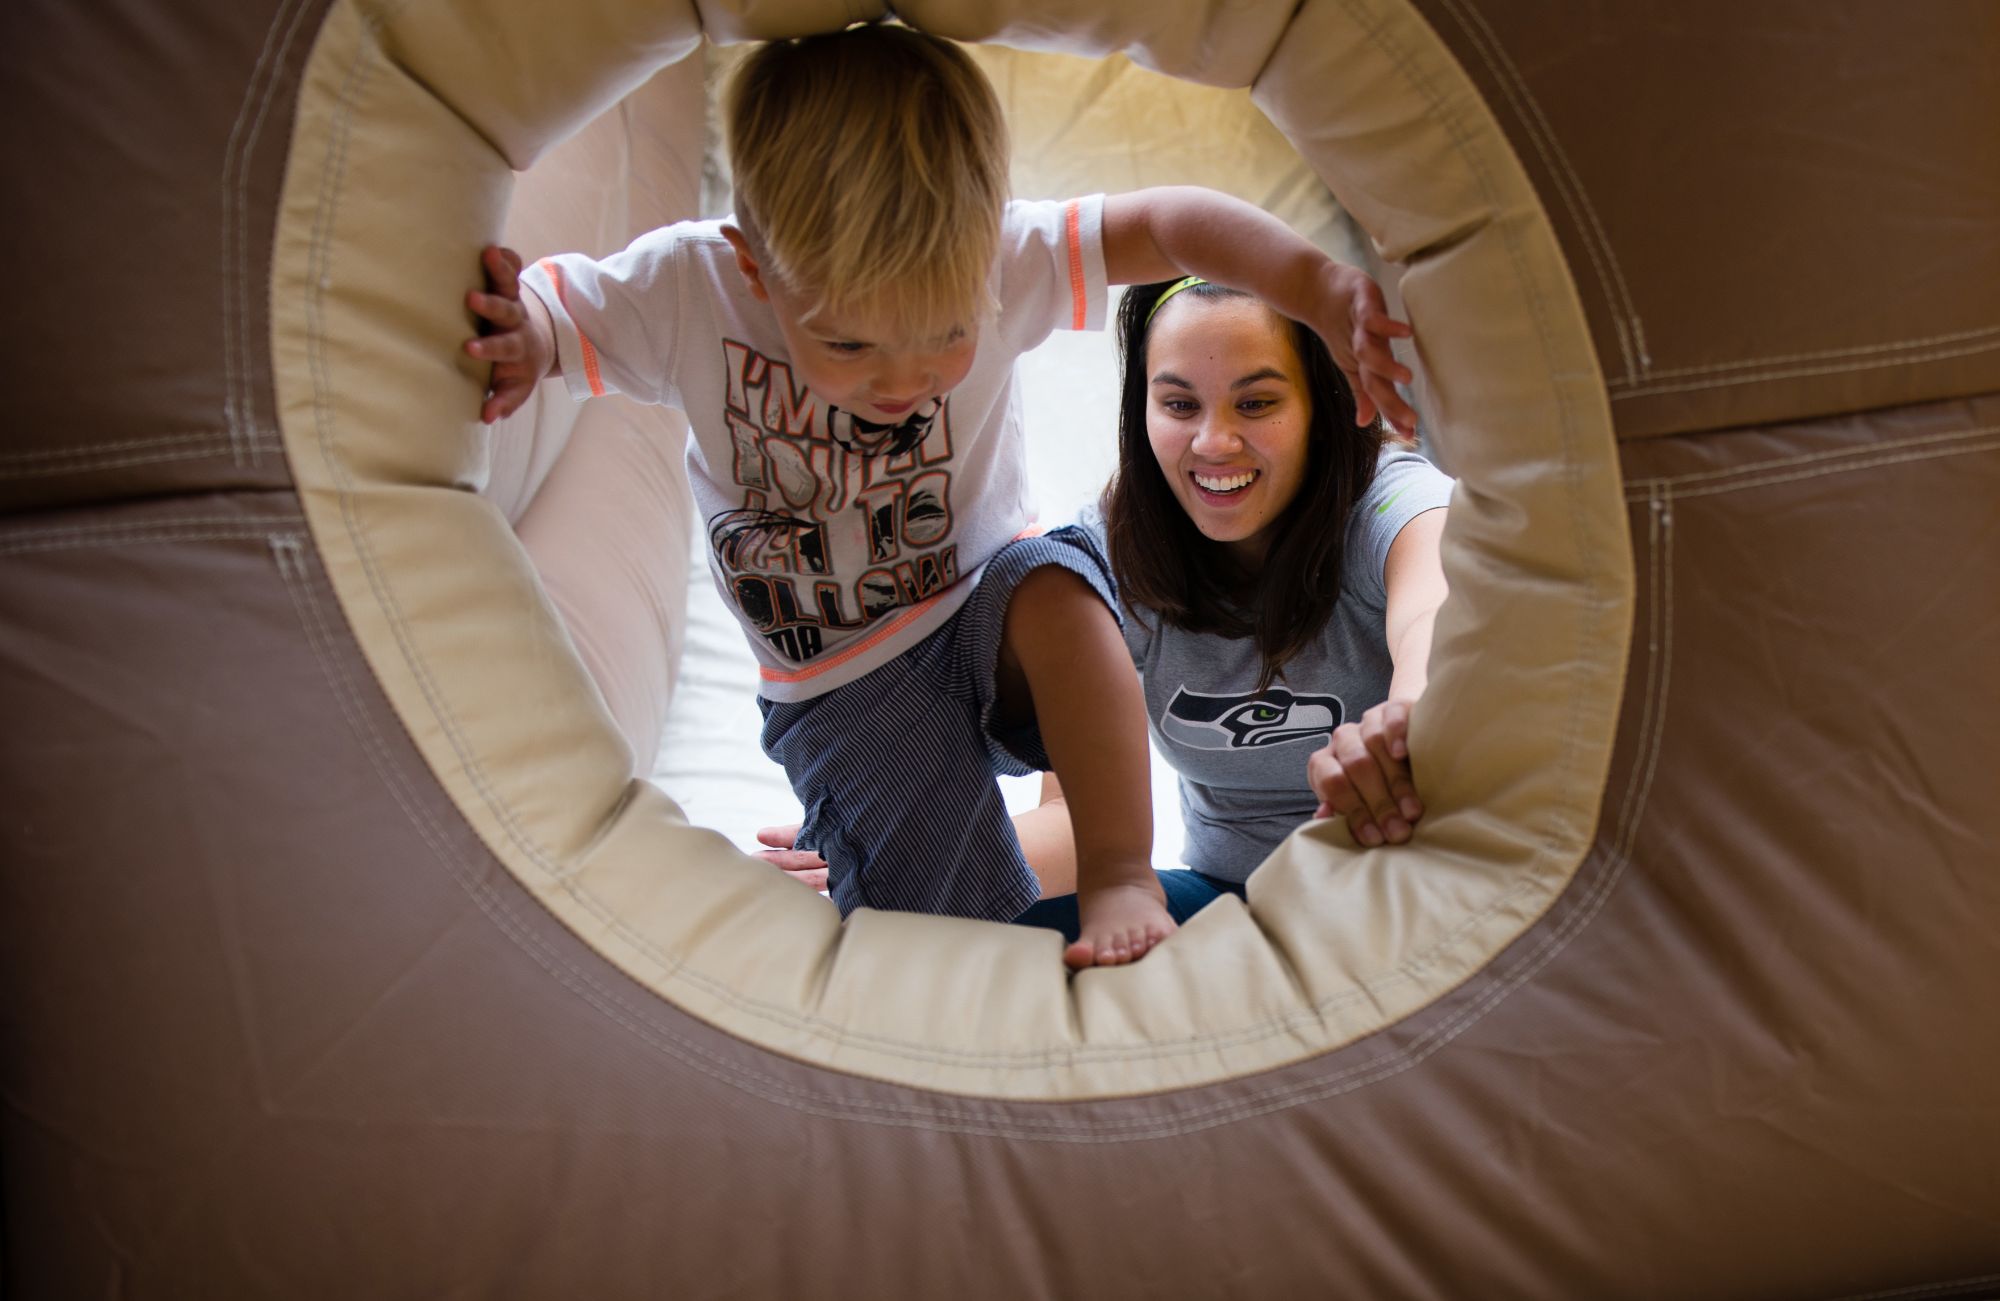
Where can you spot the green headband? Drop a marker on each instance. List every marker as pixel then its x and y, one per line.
pixel 1186 282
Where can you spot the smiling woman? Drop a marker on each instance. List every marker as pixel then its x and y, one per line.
pixel 344 954
pixel 1258 531
pixel 1228 415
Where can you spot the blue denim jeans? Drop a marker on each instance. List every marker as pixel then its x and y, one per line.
pixel 1188 892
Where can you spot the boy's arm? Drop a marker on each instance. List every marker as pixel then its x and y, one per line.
pixel 518 337
pixel 1182 230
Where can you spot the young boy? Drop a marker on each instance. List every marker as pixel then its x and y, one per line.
pixel 844 348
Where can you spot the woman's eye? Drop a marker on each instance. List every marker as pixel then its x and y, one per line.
pixel 1255 405
pixel 1178 406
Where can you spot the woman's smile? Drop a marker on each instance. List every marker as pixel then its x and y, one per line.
pixel 1223 485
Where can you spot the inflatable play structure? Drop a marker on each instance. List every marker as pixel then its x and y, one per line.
pixel 346 950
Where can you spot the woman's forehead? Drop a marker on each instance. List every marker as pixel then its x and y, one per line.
pixel 1233 333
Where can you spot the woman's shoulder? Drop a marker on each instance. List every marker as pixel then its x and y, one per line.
pixel 1400 472
pixel 1406 485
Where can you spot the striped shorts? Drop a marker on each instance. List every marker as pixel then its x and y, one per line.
pixel 896 769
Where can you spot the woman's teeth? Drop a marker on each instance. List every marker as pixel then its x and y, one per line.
pixel 1227 483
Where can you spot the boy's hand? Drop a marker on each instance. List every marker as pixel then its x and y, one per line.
pixel 802 865
pixel 1363 775
pixel 1358 336
pixel 514 336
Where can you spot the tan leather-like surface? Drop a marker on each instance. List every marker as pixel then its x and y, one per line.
pixel 1765 206
pixel 139 218
pixel 1752 1023
pixel 338 958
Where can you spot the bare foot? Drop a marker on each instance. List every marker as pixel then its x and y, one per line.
pixel 1120 923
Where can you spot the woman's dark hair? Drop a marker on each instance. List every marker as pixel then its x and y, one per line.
pixel 1164 563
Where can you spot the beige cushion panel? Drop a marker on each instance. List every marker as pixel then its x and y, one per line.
pixel 1082 125
pixel 1217 44
pixel 598 491
pixel 1335 944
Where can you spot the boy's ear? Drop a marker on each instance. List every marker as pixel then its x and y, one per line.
pixel 746 262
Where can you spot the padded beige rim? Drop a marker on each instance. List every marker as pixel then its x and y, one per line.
pixel 400 170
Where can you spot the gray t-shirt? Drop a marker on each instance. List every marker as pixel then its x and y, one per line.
pixel 1242 756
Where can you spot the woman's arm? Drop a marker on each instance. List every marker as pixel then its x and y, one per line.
pixel 1363 773
pixel 1414 578
pixel 1047 841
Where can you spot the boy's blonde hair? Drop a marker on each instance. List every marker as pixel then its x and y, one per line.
pixel 871 166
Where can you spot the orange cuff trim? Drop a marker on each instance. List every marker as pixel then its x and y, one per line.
pixel 591 374
pixel 1078 292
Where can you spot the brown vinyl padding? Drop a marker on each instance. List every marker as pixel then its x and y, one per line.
pixel 1789 214
pixel 278 1017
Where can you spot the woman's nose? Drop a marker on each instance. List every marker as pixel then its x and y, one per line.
pixel 1217 437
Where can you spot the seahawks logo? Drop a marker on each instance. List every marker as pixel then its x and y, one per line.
pixel 1248 722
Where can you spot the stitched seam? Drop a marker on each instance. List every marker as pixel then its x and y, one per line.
pixel 81 530
pixel 1844 461
pixel 84 460
pixel 1568 183
pixel 236 272
pixel 208 436
pixel 135 537
pixel 1697 476
pixel 1940 354
pixel 333 179
pixel 1594 600
pixel 1823 354
pixel 1924 1289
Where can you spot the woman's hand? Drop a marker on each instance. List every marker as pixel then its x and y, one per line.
pixel 1363 775
pixel 515 336
pixel 802 865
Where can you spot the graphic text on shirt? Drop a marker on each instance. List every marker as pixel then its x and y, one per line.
pixel 842 521
pixel 1248 721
